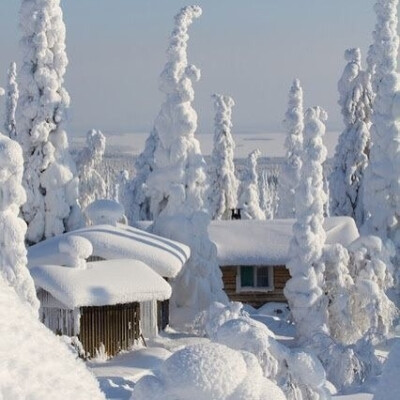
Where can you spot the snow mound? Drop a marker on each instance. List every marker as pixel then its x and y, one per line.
pixel 75 250
pixel 208 371
pixel 105 212
pixel 35 364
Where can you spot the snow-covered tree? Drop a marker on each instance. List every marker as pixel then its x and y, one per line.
pixel 91 184
pixel 224 185
pixel 304 290
pixel 13 255
pixel 267 196
pixel 177 184
pixel 382 180
pixel 290 174
pixel 11 101
pixel 249 198
pixel 351 155
pixel 139 207
pixel 49 171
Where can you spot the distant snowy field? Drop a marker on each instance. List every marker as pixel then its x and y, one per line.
pixel 271 145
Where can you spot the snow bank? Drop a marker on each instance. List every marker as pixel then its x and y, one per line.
pixel 102 283
pixel 164 256
pixel 208 371
pixel 35 364
pixel 104 211
pixel 252 242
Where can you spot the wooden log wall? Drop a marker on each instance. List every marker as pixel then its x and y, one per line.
pixel 255 299
pixel 117 327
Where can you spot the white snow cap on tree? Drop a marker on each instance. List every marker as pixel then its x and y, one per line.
pixel 304 290
pixel 91 184
pixel 351 155
pixel 290 173
pixel 11 102
pixel 177 184
pixel 249 199
pixel 382 183
pixel 224 185
pixel 13 255
pixel 49 172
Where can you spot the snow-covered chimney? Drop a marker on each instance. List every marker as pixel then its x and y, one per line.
pixel 108 212
pixel 74 251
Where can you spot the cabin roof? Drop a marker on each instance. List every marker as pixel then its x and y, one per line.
pixel 164 256
pixel 102 283
pixel 254 242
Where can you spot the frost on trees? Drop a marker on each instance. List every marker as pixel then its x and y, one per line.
pixel 139 205
pixel 382 182
pixel 223 191
pixel 91 184
pixel 13 255
pixel 290 174
pixel 304 290
pixel 249 198
pixel 49 172
pixel 11 102
pixel 177 184
pixel 351 155
pixel 268 195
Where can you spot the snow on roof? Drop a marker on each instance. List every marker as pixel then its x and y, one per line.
pixel 102 283
pixel 254 242
pixel 164 256
pixel 35 364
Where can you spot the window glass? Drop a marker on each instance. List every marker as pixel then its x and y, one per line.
pixel 246 276
pixel 262 277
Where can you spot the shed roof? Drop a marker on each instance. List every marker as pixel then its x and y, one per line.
pixel 254 242
pixel 164 256
pixel 102 283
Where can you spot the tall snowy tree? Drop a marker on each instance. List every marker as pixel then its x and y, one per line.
pixel 177 184
pixel 249 198
pixel 91 184
pixel 351 155
pixel 49 172
pixel 224 185
pixel 268 195
pixel 139 207
pixel 290 174
pixel 382 179
pixel 11 102
pixel 304 290
pixel 13 259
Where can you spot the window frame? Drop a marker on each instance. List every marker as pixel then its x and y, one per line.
pixel 240 288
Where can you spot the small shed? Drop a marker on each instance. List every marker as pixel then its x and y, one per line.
pixel 101 303
pixel 253 254
pixel 164 256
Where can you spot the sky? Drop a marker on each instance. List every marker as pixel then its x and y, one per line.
pixel 249 49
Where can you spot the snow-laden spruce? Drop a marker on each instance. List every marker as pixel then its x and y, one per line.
pixel 382 181
pixel 351 154
pixel 177 185
pixel 249 198
pixel 91 184
pixel 13 260
pixel 268 195
pixel 290 173
pixel 138 200
pixel 49 172
pixel 11 102
pixel 304 290
pixel 223 191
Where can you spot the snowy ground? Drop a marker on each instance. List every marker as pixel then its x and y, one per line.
pixel 118 376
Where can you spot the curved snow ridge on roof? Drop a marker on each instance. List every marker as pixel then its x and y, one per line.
pixel 254 242
pixel 35 363
pixel 164 256
pixel 102 283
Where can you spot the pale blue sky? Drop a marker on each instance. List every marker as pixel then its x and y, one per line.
pixel 250 49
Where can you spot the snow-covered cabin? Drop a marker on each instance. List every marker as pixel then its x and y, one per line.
pixel 122 284
pixel 253 254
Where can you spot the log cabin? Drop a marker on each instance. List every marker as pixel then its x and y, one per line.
pixel 253 254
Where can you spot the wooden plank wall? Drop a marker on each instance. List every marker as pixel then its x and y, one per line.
pixel 117 327
pixel 255 299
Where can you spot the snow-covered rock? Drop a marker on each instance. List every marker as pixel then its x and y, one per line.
pixel 105 211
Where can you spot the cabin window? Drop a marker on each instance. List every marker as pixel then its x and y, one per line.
pixel 255 278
